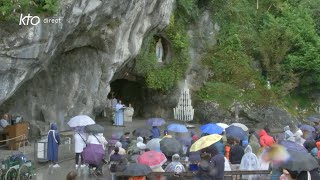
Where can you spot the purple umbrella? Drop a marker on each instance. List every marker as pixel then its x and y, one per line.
pixel 156 122
pixel 292 146
pixel 306 127
pixel 93 154
pixel 313 119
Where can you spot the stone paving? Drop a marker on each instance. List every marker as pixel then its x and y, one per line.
pixel 66 155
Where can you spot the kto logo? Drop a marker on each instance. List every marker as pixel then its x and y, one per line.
pixel 35 20
pixel 25 20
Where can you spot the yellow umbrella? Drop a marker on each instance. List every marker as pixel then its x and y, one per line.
pixel 204 142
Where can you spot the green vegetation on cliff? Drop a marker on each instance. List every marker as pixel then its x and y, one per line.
pixel 273 40
pixel 11 10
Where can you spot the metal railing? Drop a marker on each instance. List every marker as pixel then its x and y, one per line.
pixel 21 140
pixel 235 175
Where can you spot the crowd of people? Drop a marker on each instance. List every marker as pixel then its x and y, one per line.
pixel 227 154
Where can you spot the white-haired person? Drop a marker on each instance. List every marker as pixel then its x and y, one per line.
pixel 121 150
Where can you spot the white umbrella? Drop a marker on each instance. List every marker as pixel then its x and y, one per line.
pixel 154 144
pixel 81 120
pixel 242 126
pixel 223 125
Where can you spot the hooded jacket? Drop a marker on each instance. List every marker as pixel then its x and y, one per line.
pixel 265 139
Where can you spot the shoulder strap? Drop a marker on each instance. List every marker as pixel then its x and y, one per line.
pixel 97 138
pixel 82 139
pixel 54 135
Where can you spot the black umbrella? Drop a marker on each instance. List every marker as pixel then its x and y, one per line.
pixel 170 146
pixel 143 132
pixel 137 170
pixel 94 128
pixel 299 161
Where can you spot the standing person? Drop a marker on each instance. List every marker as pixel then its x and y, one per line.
pixel 155 132
pixel 117 163
pixel 265 139
pixel 118 120
pixel 53 145
pixel 216 163
pixel 236 153
pixel 249 161
pixel 79 143
pixel 125 140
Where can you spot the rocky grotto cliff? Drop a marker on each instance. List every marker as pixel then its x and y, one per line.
pixel 50 72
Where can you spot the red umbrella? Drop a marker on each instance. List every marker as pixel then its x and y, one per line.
pixel 152 159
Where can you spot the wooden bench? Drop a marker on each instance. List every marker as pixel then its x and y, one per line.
pixel 191 175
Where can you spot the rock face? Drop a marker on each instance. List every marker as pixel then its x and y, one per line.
pixel 51 72
pixel 274 117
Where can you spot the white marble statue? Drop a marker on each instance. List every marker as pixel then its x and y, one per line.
pixel 159 49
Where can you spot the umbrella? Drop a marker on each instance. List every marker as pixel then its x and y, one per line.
pixel 154 144
pixel 170 146
pixel 306 127
pixel 137 170
pixel 300 162
pixel 211 129
pixel 156 122
pixel 184 140
pixel 236 132
pixel 313 119
pixel 292 146
pixel 240 125
pixel 153 159
pixel 93 154
pixel 143 132
pixel 204 142
pixel 81 120
pixel 223 125
pixel 79 129
pixel 94 128
pixel 178 128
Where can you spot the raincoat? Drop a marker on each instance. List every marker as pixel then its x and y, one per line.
pixel 53 143
pixel 249 161
pixel 265 139
pixel 172 167
pixel 254 143
pixel 79 142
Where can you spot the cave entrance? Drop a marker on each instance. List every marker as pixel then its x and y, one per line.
pixel 129 92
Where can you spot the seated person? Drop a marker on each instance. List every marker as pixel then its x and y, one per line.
pixel 175 165
pixel 4 121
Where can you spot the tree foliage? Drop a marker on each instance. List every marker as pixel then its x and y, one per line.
pixel 275 40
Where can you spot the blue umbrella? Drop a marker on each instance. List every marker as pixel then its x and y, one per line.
pixel 177 128
pixel 306 127
pixel 313 119
pixel 236 132
pixel 156 122
pixel 211 129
